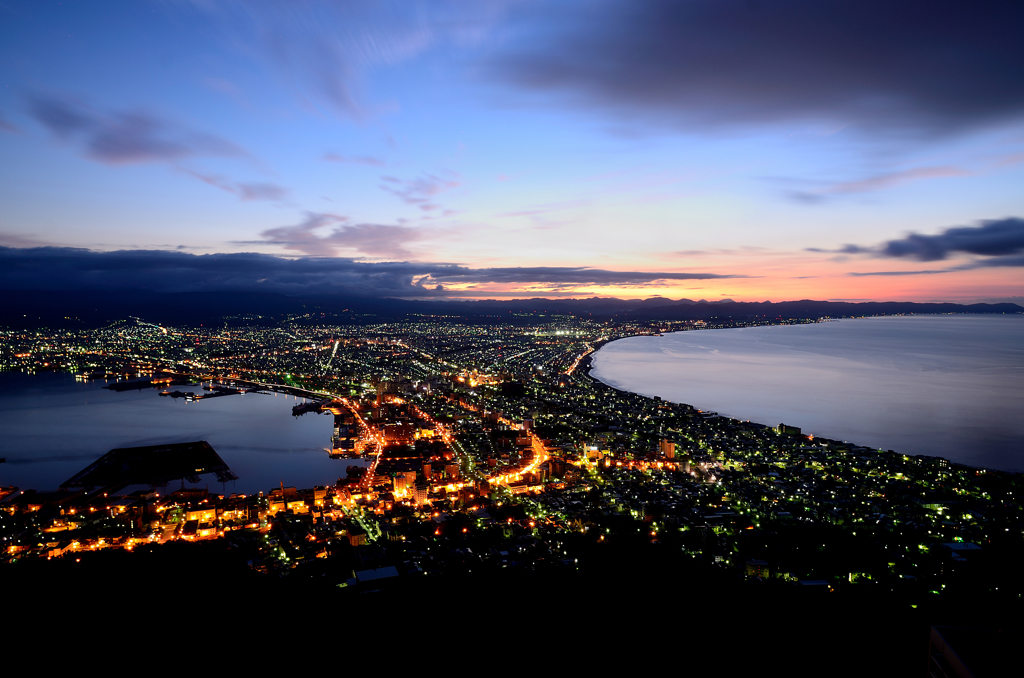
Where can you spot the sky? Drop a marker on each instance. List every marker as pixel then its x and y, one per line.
pixel 704 149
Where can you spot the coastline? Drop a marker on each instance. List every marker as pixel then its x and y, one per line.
pixel 587 365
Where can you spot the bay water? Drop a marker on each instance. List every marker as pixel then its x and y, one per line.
pixel 943 385
pixel 53 426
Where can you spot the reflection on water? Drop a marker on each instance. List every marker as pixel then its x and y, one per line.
pixel 52 426
pixel 951 386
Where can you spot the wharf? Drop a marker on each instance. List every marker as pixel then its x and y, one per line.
pixel 213 392
pixel 147 382
pixel 153 465
pixel 136 385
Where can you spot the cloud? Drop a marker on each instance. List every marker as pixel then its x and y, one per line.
pixel 261 191
pixel 994 238
pixel 323 50
pixel 19 240
pixel 994 243
pixel 63 268
pixel 999 261
pixel 546 208
pixel 1011 159
pixel 120 138
pixel 888 273
pixel 124 137
pixel 9 126
pixel 879 182
pixel 569 275
pixel 916 66
pixel 845 249
pixel 302 237
pixel 59 268
pixel 374 240
pixel 245 191
pixel 355 159
pixel 418 191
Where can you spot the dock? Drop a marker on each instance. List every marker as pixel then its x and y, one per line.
pixel 154 465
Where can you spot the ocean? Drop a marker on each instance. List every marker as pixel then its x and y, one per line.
pixel 945 385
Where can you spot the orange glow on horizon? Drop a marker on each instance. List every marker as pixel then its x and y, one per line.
pixel 786 277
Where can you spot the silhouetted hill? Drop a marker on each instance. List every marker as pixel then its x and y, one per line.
pixel 89 308
pixel 806 308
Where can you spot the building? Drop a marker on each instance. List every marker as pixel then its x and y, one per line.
pixel 667 449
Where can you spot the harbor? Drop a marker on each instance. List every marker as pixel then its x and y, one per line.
pixel 57 424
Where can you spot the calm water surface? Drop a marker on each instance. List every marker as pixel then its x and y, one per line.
pixel 52 426
pixel 951 386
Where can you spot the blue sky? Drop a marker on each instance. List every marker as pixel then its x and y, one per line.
pixel 753 141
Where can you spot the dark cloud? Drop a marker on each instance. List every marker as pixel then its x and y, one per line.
pixel 57 268
pixel 124 137
pixel 889 273
pixel 845 249
pixel 374 240
pixel 999 261
pixel 995 238
pixel 997 243
pixel 563 275
pixel 921 66
pixel 62 268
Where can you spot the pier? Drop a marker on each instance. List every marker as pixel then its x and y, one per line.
pixel 154 465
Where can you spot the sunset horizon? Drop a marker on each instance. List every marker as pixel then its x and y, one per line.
pixel 541 151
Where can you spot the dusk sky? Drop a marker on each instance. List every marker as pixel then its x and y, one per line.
pixel 741 149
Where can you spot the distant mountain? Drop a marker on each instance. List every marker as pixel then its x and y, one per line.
pixel 660 308
pixel 26 309
pixel 806 308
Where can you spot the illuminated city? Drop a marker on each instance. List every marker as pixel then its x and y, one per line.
pixel 493 440
pixel 513 334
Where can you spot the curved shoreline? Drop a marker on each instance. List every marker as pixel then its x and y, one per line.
pixel 852 411
pixel 587 365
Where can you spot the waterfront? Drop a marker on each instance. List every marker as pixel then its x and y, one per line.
pixel 505 459
pixel 950 386
pixel 52 426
